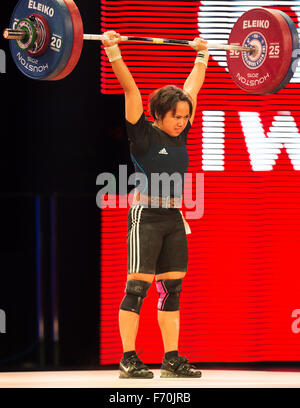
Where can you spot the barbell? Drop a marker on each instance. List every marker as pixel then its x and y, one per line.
pixel 46 40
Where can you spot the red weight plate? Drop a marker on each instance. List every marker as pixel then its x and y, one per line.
pixel 77 40
pixel 264 70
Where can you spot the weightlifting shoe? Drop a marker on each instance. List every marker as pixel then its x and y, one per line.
pixel 133 367
pixel 178 367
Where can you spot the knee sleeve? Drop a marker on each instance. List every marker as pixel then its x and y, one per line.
pixel 169 293
pixel 136 291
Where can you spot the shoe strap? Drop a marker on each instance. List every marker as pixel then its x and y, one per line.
pixel 182 364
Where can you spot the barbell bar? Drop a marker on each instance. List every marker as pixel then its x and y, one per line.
pixel 169 41
pixel 263 44
pixel 11 34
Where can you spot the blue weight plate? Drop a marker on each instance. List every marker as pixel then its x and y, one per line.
pixel 57 55
pixel 295 53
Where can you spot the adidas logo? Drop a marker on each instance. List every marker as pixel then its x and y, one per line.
pixel 163 151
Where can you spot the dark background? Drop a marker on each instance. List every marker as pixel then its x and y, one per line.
pixel 56 137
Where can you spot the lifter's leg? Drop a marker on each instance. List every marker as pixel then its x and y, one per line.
pixel 169 288
pixel 129 324
pixel 129 312
pixel 169 320
pixel 136 289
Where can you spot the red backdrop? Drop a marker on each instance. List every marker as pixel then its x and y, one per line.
pixel 240 300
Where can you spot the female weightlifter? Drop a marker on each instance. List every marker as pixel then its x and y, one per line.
pixel 156 238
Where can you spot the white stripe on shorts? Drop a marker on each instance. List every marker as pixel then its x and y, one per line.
pixel 134 239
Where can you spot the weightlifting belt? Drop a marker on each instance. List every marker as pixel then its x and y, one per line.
pixel 157 202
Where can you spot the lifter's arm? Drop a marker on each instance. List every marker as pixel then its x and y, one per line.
pixel 133 99
pixel 196 78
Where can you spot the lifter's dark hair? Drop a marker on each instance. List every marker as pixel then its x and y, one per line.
pixel 165 99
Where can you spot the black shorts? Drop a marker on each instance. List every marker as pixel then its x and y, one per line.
pixel 156 240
